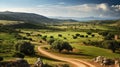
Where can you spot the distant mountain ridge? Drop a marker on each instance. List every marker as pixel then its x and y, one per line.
pixel 84 18
pixel 26 17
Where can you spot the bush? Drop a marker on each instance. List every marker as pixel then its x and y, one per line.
pixel 89 33
pixel 60 45
pixel 74 37
pixel 93 35
pixel 1 58
pixel 51 37
pixel 40 41
pixel 59 35
pixel 44 38
pixel 86 36
pixel 81 35
pixel 18 55
pixel 65 38
pixel 77 34
pixel 25 47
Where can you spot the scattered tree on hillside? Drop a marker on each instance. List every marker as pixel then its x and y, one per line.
pixel 51 37
pixel 25 47
pixel 89 33
pixel 59 35
pixel 44 38
pixel 77 34
pixel 60 45
pixel 51 40
pixel 93 35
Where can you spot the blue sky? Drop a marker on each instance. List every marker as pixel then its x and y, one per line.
pixel 65 8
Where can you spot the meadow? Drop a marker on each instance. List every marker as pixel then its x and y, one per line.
pixel 76 34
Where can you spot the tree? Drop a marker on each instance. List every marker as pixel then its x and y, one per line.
pixel 44 38
pixel 59 35
pixel 74 37
pixel 109 36
pixel 77 34
pixel 60 45
pixel 93 35
pixel 81 35
pixel 89 33
pixel 51 37
pixel 111 44
pixel 25 47
pixel 51 40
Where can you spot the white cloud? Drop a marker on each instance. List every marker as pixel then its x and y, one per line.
pixel 83 10
pixel 103 6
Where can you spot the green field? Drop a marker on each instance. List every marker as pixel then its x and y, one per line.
pixel 80 50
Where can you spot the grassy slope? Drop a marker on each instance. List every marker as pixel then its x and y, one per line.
pixel 92 51
pixel 6 36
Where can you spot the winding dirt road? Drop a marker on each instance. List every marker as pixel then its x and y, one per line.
pixel 74 62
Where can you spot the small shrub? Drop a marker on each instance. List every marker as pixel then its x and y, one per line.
pixel 93 35
pixel 81 35
pixel 40 41
pixel 59 35
pixel 44 38
pixel 65 38
pixel 51 37
pixel 86 36
pixel 89 33
pixel 77 34
pixel 74 37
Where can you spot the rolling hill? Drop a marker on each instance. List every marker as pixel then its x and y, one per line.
pixel 25 17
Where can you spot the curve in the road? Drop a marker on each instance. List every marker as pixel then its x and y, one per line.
pixel 75 62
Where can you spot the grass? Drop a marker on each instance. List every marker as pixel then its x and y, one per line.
pixel 92 51
pixel 86 52
pixel 6 36
pixel 68 35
